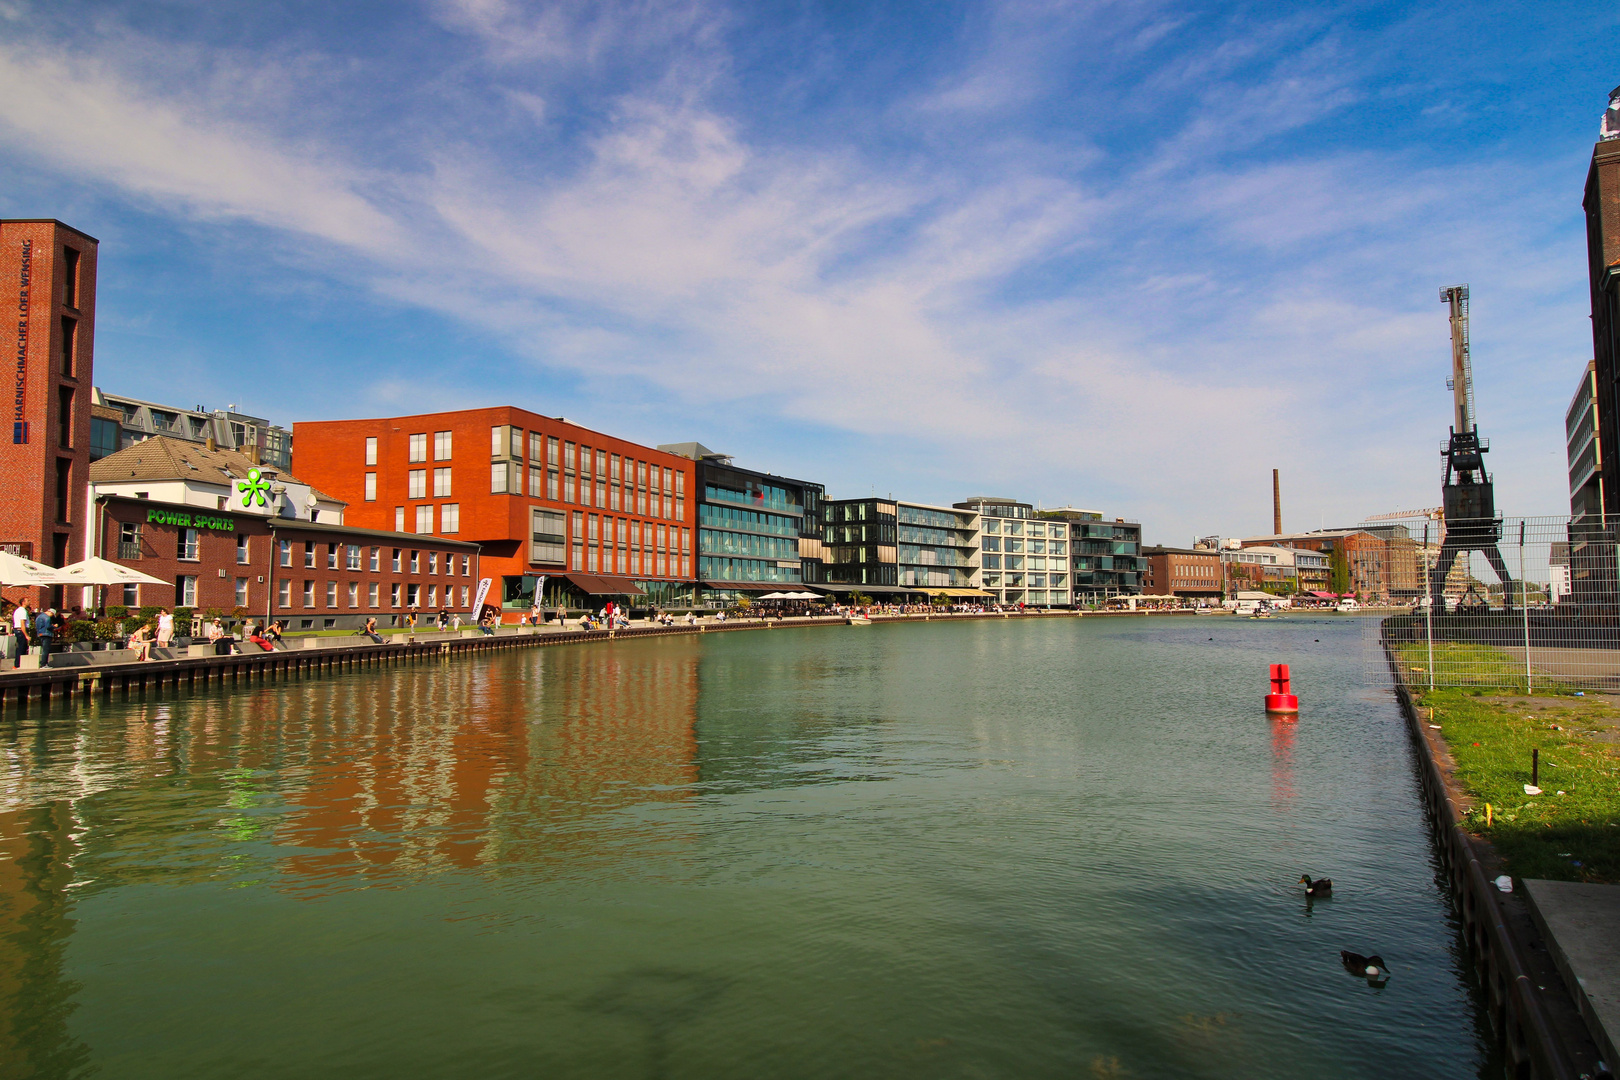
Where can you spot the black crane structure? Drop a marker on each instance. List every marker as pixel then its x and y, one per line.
pixel 1468 496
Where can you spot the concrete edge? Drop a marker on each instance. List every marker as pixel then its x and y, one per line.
pixel 1577 990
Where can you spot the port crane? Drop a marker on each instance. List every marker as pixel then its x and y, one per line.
pixel 1467 495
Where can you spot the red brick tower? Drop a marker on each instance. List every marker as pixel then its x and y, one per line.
pixel 47 330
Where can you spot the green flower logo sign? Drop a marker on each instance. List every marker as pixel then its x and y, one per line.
pixel 253 488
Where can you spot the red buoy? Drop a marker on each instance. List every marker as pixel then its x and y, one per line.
pixel 1280 700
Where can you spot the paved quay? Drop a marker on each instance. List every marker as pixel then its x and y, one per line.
pixel 1581 924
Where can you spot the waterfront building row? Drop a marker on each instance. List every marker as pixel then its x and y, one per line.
pixel 550 511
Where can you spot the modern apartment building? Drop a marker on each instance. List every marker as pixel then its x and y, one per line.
pixel 860 541
pixel 1590 565
pixel 1105 555
pixel 137 420
pixel 756 532
pixel 596 516
pixel 1023 559
pixel 937 548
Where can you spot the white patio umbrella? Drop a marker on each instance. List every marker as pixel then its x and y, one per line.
pixel 775 596
pixel 18 571
pixel 801 596
pixel 99 571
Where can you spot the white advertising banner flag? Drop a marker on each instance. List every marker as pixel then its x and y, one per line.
pixel 483 591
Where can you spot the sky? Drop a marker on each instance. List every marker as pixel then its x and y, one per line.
pixel 1123 256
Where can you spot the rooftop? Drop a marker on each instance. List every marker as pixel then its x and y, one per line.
pixel 163 457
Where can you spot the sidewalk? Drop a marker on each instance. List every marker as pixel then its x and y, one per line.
pixel 1581 923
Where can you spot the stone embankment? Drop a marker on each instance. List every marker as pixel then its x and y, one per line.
pixel 1542 1030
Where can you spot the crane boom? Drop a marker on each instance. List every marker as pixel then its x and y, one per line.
pixel 1461 383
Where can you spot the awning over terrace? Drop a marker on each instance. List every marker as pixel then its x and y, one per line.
pixel 745 586
pixel 603 584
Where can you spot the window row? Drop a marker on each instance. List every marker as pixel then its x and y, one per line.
pixel 411 594
pixel 354 554
pixel 449 518
pixel 506 478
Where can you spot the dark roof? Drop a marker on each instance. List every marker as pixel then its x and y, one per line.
pixel 163 457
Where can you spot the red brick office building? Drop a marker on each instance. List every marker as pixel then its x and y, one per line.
pixel 47 334
pixel 172 510
pixel 600 517
pixel 1193 573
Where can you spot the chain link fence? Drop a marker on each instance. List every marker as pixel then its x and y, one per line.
pixel 1511 604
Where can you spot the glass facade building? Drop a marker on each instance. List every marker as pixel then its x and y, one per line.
pixel 860 537
pixel 1105 557
pixel 755 532
pixel 936 546
pixel 1023 559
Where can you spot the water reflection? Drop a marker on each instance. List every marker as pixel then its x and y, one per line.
pixel 936 850
pixel 36 999
pixel 1283 730
pixel 377 778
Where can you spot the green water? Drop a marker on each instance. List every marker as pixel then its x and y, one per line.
pixel 1048 848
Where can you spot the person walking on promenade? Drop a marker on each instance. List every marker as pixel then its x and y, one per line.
pixel 370 630
pixel 140 642
pixel 165 628
pixel 455 621
pixel 45 634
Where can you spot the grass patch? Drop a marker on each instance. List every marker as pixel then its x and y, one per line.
pixel 1574 836
pixel 1460 664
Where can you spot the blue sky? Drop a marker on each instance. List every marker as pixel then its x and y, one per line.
pixel 1127 256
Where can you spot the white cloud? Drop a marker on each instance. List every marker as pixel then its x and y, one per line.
pixel 83 119
pixel 1153 331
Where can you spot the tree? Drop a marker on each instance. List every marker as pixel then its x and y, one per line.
pixel 1338 571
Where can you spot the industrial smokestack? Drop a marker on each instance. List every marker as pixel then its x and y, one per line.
pixel 1276 504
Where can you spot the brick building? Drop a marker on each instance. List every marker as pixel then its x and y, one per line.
pixel 1366 555
pixel 600 517
pixel 48 289
pixel 1194 573
pixel 1602 205
pixel 176 511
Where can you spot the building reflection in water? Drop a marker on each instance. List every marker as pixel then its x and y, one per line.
pixel 36 924
pixel 324 784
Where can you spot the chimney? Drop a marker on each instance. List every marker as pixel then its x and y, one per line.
pixel 211 444
pixel 1276 504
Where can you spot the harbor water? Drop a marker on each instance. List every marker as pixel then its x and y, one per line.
pixel 1000 848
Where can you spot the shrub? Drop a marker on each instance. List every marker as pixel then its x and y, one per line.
pixel 182 619
pixel 117 611
pixel 80 630
pixel 108 629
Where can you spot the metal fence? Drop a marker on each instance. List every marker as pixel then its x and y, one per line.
pixel 1511 604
